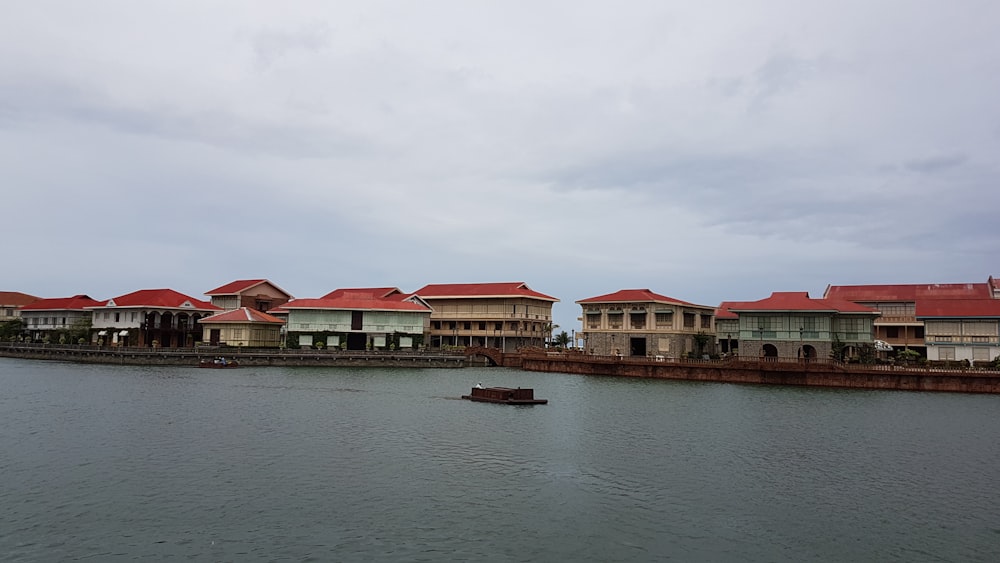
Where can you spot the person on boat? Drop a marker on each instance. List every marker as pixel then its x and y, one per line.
pixel 479 385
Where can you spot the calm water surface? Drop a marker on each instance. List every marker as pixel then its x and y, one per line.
pixel 108 463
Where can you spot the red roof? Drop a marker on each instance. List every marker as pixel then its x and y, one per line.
pixel 16 298
pixel 239 286
pixel 356 303
pixel 634 296
pixel 242 315
pixel 958 308
pixel 724 311
pixel 160 298
pixel 495 289
pixel 799 301
pixel 908 292
pixel 380 292
pixel 75 303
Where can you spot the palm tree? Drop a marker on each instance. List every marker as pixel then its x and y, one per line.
pixel 562 340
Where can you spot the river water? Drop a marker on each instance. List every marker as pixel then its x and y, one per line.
pixel 117 463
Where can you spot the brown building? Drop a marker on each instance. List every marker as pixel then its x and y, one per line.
pixel 504 315
pixel 639 322
pixel 261 295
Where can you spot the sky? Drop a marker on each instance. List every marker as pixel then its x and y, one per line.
pixel 709 151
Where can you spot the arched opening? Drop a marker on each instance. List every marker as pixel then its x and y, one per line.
pixel 769 352
pixel 807 353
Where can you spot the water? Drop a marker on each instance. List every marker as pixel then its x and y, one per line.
pixel 113 463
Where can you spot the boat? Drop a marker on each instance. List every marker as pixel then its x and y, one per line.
pixel 218 363
pixel 504 395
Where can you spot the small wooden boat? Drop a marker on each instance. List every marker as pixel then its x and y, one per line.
pixel 504 395
pixel 218 363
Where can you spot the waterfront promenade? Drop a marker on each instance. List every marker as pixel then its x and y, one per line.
pixel 245 356
pixel 772 371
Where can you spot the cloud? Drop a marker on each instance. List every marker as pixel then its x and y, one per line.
pixel 707 151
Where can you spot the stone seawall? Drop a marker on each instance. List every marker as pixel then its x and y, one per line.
pixel 773 373
pixel 192 357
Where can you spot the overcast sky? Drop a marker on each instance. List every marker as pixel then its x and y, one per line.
pixel 705 150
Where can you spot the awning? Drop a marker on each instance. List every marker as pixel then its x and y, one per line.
pixel 123 333
pixel 102 333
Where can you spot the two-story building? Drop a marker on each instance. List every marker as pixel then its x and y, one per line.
pixel 59 319
pixel 639 322
pixel 260 294
pixel 150 317
pixel 357 319
pixel 504 315
pixel 961 329
pixel 11 303
pixel 792 325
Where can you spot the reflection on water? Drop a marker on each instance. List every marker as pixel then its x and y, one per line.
pixel 118 463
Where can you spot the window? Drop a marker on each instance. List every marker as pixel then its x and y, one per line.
pixel 497 326
pixel 892 332
pixel 467 326
pixel 981 354
pixel 118 317
pixel 706 321
pixel 64 321
pixel 482 326
pixel 436 325
pixel 946 353
pixel 664 320
pixel 637 320
pixel 688 320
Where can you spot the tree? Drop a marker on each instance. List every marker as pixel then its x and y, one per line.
pixel 562 339
pixel 11 329
pixel 837 348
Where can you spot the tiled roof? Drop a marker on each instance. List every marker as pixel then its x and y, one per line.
pixel 724 310
pixel 380 292
pixel 161 298
pixel 242 315
pixel 239 286
pixel 364 303
pixel 16 298
pixel 495 289
pixel 958 308
pixel 633 296
pixel 799 301
pixel 908 292
pixel 75 303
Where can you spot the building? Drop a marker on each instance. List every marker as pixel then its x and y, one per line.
pixel 960 329
pixel 243 327
pixel 898 324
pixel 793 325
pixel 727 327
pixel 261 295
pixel 59 319
pixel 639 322
pixel 11 303
pixel 150 317
pixel 504 315
pixel 357 319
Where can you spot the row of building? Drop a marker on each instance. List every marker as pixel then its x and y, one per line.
pixel 953 321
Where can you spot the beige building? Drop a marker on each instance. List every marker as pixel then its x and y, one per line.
pixel 507 315
pixel 638 322
pixel 11 303
pixel 242 327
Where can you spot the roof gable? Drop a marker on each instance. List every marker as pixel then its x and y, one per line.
pixel 633 296
pixel 16 298
pixel 907 292
pixel 799 301
pixel 75 303
pixel 360 292
pixel 160 298
pixel 480 290
pixel 242 315
pixel 241 286
pixel 958 308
